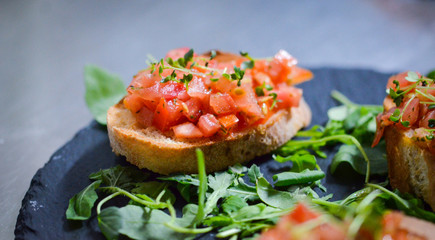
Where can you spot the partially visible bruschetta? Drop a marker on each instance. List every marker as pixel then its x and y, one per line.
pixel 305 223
pixel 408 125
pixel 232 107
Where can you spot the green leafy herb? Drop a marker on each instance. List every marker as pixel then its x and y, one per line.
pixel 81 204
pixel 275 100
pixel 431 75
pixel 295 178
pixel 103 90
pixel 212 54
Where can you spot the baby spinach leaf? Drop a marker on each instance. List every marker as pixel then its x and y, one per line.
pixel 103 90
pixel 349 154
pixel 272 197
pixel 293 178
pixel 80 205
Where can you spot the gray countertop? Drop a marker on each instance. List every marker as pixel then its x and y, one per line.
pixel 44 46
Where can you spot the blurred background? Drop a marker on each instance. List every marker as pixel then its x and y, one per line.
pixel 44 46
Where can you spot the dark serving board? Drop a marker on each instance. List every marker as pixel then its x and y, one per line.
pixel 42 215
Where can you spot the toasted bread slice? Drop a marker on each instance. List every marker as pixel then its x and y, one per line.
pixel 411 167
pixel 163 153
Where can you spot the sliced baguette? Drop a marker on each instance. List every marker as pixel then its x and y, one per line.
pixel 411 167
pixel 163 153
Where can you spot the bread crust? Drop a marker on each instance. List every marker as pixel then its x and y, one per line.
pixel 411 167
pixel 163 153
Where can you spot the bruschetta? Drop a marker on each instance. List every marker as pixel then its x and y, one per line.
pixel 231 106
pixel 305 223
pixel 408 125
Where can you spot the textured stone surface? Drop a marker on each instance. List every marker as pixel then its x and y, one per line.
pixel 42 215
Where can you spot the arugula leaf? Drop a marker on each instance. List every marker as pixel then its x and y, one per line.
pixel 233 204
pixel 110 222
pixel 154 190
pixel 350 154
pixel 119 176
pixel 254 173
pixel 242 190
pixel 103 90
pixel 137 223
pixel 80 205
pixel 293 178
pixel 183 179
pixel 219 183
pixel 300 162
pixel 272 197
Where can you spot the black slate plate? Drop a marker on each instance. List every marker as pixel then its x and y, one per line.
pixel 42 215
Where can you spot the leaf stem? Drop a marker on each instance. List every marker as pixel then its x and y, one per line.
pixel 202 186
pixel 105 200
pixel 341 138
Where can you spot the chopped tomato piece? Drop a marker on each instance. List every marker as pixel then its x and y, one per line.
pixel 298 75
pixel 280 66
pixel 428 121
pixel 197 89
pixel 192 109
pixel 228 122
pixel 187 130
pixel 167 114
pixel 301 214
pixel 288 96
pixel 410 113
pixel 145 117
pixel 247 104
pixel 177 53
pixel 208 124
pixel 399 78
pixel 133 102
pixel 171 90
pixel 222 104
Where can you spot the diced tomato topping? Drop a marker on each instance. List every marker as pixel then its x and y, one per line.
pixel 208 124
pixel 171 90
pixel 187 130
pixel 207 92
pixel 167 114
pixel 399 78
pixel 222 104
pixel 428 121
pixel 288 96
pixel 177 53
pixel 133 102
pixel 192 109
pixel 197 89
pixel 298 75
pixel 302 214
pixel 145 117
pixel 228 122
pixel 411 109
pixel 247 104
pixel 281 66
